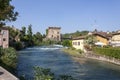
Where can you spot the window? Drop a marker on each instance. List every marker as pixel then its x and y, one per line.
pixel 52 36
pixel 57 32
pixel 4 39
pixel 78 43
pixel 57 37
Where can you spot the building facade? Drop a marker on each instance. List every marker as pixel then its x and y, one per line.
pixel 4 37
pixel 115 41
pixel 101 37
pixel 78 43
pixel 53 34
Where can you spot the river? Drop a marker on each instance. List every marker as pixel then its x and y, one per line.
pixel 61 63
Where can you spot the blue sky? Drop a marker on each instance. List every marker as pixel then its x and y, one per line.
pixel 70 15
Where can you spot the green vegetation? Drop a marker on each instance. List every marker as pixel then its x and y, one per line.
pixel 73 52
pixel 67 43
pixel 37 38
pixel 110 51
pixel 42 74
pixel 46 74
pixel 7 12
pixel 8 58
pixel 75 34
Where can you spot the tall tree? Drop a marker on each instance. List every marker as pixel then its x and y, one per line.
pixel 24 30
pixel 29 35
pixel 29 31
pixel 7 12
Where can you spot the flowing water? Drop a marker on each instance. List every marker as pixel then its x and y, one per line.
pixel 61 63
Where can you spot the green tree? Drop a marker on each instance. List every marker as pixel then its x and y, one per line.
pixel 29 35
pixel 23 34
pixel 12 32
pixel 37 38
pixel 46 31
pixel 7 12
pixel 90 40
pixel 67 43
pixel 24 30
pixel 29 31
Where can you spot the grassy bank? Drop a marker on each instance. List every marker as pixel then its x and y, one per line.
pixel 73 52
pixel 111 52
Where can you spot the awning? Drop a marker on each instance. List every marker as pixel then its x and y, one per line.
pixel 99 43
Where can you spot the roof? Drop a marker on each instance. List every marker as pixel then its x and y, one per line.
pixel 102 34
pixel 78 38
pixel 117 33
pixel 54 27
pixel 3 28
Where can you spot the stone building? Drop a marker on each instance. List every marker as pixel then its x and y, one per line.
pixel 4 37
pixel 53 33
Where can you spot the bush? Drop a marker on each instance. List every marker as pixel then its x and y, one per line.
pixel 9 57
pixel 46 74
pixel 87 47
pixel 80 51
pixel 42 74
pixel 18 45
pixel 111 52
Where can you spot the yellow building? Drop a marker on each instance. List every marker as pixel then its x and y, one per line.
pixel 78 43
pixel 102 38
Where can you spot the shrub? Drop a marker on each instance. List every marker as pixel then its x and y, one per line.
pixel 46 74
pixel 9 57
pixel 80 51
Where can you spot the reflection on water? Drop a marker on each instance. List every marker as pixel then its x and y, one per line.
pixel 61 63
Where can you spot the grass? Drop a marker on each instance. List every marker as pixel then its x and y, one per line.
pixel 111 52
pixel 72 52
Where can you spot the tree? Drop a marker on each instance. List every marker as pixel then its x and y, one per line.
pixel 46 32
pixel 29 35
pixel 24 30
pixel 67 43
pixel 37 38
pixel 29 31
pixel 23 34
pixel 90 40
pixel 7 12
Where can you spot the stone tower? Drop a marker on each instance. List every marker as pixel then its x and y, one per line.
pixel 53 33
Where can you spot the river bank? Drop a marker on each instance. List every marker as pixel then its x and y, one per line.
pixel 72 52
pixel 92 55
pixel 89 54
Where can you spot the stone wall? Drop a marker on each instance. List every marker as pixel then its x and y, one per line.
pixel 90 54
